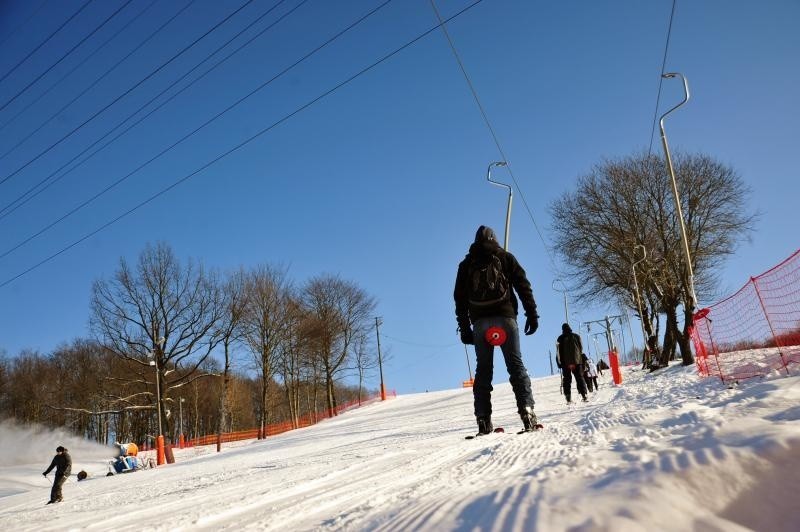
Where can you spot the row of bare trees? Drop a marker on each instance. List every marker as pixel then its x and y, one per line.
pixel 233 350
pixel 622 212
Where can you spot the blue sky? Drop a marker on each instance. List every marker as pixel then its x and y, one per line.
pixel 383 181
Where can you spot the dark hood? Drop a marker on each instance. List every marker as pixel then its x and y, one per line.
pixel 485 242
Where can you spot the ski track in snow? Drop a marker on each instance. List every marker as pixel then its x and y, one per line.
pixel 667 451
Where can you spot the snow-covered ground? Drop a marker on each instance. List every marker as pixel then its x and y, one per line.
pixel 667 451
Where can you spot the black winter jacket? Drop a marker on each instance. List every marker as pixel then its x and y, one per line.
pixel 63 464
pixel 569 349
pixel 481 252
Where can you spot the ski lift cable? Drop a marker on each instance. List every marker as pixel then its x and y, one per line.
pixel 493 134
pixel 237 147
pixel 661 78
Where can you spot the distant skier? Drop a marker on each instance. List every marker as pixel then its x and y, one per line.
pixel 568 358
pixel 590 373
pixel 484 298
pixel 63 464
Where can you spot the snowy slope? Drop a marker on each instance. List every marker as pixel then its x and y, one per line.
pixel 662 452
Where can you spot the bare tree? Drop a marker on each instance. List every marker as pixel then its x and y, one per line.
pixel 627 202
pixel 159 311
pixel 228 330
pixel 264 326
pixel 342 311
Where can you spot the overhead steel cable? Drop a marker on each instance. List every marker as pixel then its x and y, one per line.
pixel 32 192
pixel 65 55
pixel 238 146
pixel 71 71
pixel 36 49
pixel 661 78
pixel 131 89
pixel 442 24
pixel 192 133
pixel 22 24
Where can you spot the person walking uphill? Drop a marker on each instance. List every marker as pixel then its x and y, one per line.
pixel 63 464
pixel 486 311
pixel 568 359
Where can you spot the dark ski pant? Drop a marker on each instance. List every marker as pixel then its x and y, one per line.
pixel 568 372
pixel 484 368
pixel 55 493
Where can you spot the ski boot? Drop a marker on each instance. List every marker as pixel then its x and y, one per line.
pixel 485 425
pixel 529 421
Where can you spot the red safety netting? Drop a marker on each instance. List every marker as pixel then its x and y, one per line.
pixel 756 330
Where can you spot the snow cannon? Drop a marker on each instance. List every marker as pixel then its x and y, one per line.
pixel 496 336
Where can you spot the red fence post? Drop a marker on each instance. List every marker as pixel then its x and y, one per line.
pixel 769 322
pixel 161 459
pixel 615 373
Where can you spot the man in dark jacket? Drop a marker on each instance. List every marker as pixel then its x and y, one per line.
pixel 63 464
pixel 485 300
pixel 568 359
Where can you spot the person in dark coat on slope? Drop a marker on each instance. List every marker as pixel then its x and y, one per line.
pixel 477 312
pixel 568 359
pixel 62 462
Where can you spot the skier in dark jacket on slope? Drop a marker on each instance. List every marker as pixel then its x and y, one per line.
pixel 486 306
pixel 568 359
pixel 63 464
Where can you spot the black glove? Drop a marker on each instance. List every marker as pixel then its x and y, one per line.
pixel 467 336
pixel 531 324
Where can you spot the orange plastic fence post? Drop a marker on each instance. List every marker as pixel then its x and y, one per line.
pixel 160 453
pixel 615 373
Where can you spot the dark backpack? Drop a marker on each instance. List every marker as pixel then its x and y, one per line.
pixel 488 284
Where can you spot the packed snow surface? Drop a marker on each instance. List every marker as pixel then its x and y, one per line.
pixel 663 451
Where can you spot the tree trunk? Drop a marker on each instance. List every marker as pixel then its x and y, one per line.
pixel 671 333
pixel 685 340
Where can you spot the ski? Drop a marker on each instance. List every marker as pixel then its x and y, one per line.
pixel 498 430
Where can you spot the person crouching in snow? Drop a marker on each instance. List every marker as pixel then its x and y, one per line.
pixel 63 464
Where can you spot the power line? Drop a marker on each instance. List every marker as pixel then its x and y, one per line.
pixel 21 200
pixel 45 41
pixel 196 130
pixel 492 132
pixel 238 146
pixel 131 89
pixel 22 24
pixel 661 78
pixel 65 55
pixel 101 46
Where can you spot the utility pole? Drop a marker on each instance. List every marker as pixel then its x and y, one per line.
pixel 380 362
